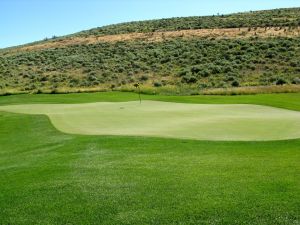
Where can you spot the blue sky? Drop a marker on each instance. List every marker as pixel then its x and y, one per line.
pixel 24 21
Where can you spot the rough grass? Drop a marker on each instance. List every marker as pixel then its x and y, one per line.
pixel 166 90
pixel 52 178
pixel 173 120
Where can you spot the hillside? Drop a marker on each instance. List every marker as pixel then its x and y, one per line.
pixel 245 49
pixel 266 18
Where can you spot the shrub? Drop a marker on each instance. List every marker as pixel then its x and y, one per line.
pixel 189 79
pixel 144 78
pixel 203 86
pixel 182 72
pixel 294 63
pixel 157 84
pixel 235 84
pixel 91 78
pixel 204 73
pixel 215 69
pixel 43 79
pixel 281 81
pixel 230 78
pixel 195 69
pixel 296 80
pixel 95 83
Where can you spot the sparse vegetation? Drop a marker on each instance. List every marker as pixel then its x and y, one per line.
pixel 213 63
pixel 206 63
pixel 268 18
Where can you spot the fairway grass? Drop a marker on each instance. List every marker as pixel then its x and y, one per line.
pixel 50 177
pixel 174 120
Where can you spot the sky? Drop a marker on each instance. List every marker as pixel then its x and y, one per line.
pixel 24 21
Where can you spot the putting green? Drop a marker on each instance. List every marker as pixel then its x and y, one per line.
pixel 165 119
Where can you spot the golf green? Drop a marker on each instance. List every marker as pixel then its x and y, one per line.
pixel 241 122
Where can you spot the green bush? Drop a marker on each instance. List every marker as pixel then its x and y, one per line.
pixel 144 78
pixel 296 80
pixel 189 79
pixel 157 84
pixel 235 84
pixel 281 81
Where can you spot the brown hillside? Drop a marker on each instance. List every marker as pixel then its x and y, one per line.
pixel 160 36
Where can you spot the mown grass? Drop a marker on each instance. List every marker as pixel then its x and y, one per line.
pixel 52 178
pixel 215 122
pixel 272 89
pixel 286 100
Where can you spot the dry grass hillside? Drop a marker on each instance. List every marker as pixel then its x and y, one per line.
pixel 244 51
pixel 217 33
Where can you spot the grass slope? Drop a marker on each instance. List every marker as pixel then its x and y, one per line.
pixel 54 178
pixel 173 120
